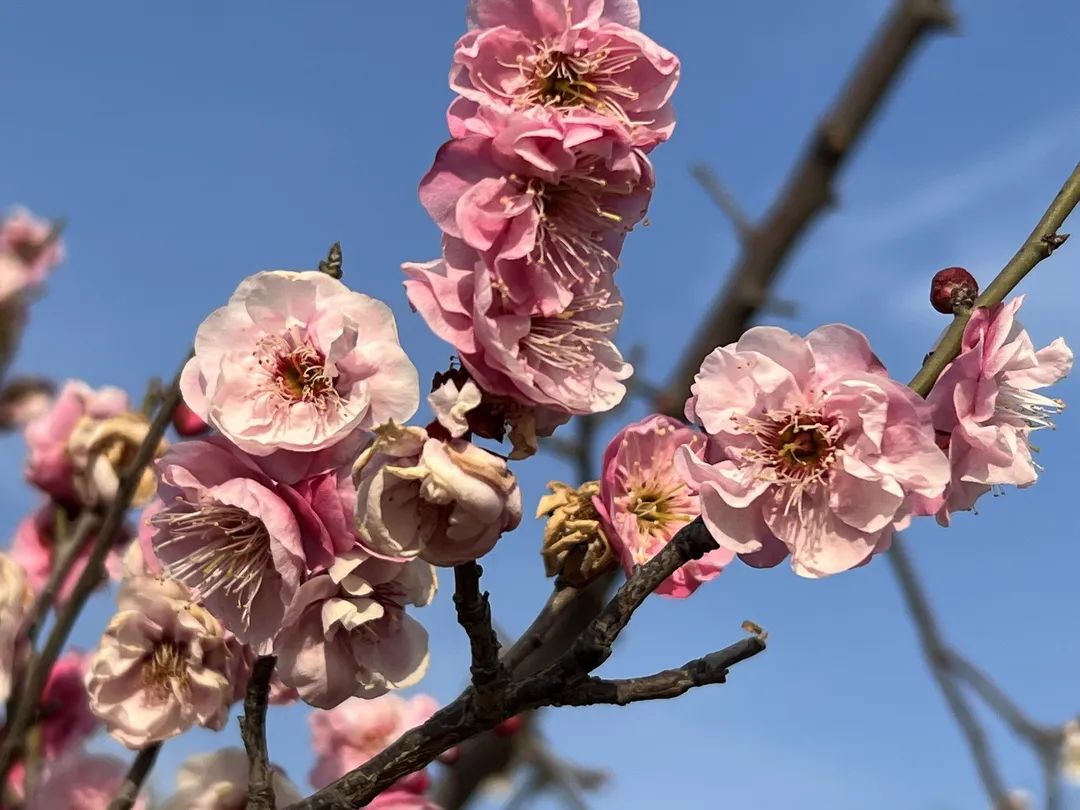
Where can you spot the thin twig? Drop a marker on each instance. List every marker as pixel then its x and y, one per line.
pixel 133 782
pixel 474 614
pixel 33 680
pixel 70 549
pixel 260 794
pixel 725 201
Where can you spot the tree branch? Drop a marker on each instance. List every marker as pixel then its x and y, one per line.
pixel 260 793
pixel 37 672
pixel 140 769
pixel 65 561
pixel 474 614
pixel 725 201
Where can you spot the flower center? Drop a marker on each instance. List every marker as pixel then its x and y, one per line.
pixel 575 339
pixel 165 666
pixel 297 370
pixel 590 79
pixel 214 547
pixel 657 508
pixel 795 449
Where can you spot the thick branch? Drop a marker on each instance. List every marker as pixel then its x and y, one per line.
pixel 133 782
pixel 474 614
pixel 260 795
pixel 33 681
pixel 808 190
pixel 563 597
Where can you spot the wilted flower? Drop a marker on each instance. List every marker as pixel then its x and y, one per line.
pixel 643 501
pixel 16 598
pixel 349 735
pixel 575 546
pixel 986 405
pixel 346 632
pixel 49 465
pixel 446 502
pixel 812 450
pixel 568 57
pixel 219 781
pixel 80 781
pixel 298 361
pixel 452 404
pixel 101 450
pixel 162 666
pixel 240 540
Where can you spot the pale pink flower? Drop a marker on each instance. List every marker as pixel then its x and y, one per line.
pixel 219 781
pixel 446 502
pixel 986 405
pixel 49 465
pixel 16 597
pixel 644 501
pixel 546 202
pixel 452 403
pixel 346 632
pixel 813 450
pixel 298 361
pixel 349 735
pixel 555 365
pixel 35 548
pixel 64 715
pixel 81 781
pixel 565 56
pixel 240 540
pixel 161 667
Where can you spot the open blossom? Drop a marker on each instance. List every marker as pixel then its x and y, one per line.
pixel 349 735
pixel 446 502
pixel 556 365
pixel 546 202
pixel 346 632
pixel 49 465
pixel 239 539
pixel 643 500
pixel 564 56
pixel 987 404
pixel 161 667
pixel 298 361
pixel 16 597
pixel 812 450
pixel 219 781
pixel 81 781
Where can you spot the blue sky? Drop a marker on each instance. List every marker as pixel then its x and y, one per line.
pixel 190 145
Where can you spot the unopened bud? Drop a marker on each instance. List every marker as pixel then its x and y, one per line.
pixel 187 423
pixel 952 289
pixel 575 547
pixel 509 727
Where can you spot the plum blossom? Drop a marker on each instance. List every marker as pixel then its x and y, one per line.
pixel 643 501
pixel 812 450
pixel 446 502
pixel 568 57
pixel 349 735
pixel 987 404
pixel 16 597
pixel 297 361
pixel 545 202
pixel 49 465
pixel 451 403
pixel 161 667
pixel 64 715
pixel 219 781
pixel 29 250
pixel 556 365
pixel 346 632
pixel 101 449
pixel 81 781
pixel 240 540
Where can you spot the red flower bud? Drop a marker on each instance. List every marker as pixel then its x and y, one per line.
pixel 510 726
pixel 953 288
pixel 187 423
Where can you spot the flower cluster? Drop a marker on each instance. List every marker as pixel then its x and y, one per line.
pixel 545 174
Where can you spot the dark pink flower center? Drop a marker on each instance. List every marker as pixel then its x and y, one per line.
pixel 589 78
pixel 795 449
pixel 297 370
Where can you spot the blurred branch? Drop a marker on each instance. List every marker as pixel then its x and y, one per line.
pixel 260 792
pixel 724 200
pixel 133 782
pixel 809 189
pixel 70 549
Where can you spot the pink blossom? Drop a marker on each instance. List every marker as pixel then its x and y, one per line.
pixel 643 501
pixel 219 781
pixel 81 781
pixel 64 715
pixel 346 632
pixel 161 667
pixel 452 403
pixel 349 735
pixel 812 450
pixel 569 57
pixel 32 242
pixel 16 597
pixel 395 799
pixel 546 202
pixel 49 465
pixel 298 361
pixel 986 405
pixel 446 502
pixel 240 540
pixel 555 365
pixel 34 547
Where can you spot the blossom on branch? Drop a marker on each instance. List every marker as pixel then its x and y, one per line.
pixel 812 450
pixel 219 781
pixel 81 781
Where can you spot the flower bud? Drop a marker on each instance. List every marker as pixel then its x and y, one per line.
pixel 510 726
pixel 575 547
pixel 187 423
pixel 953 288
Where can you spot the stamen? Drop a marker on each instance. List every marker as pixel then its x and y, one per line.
pixel 296 370
pixel 164 666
